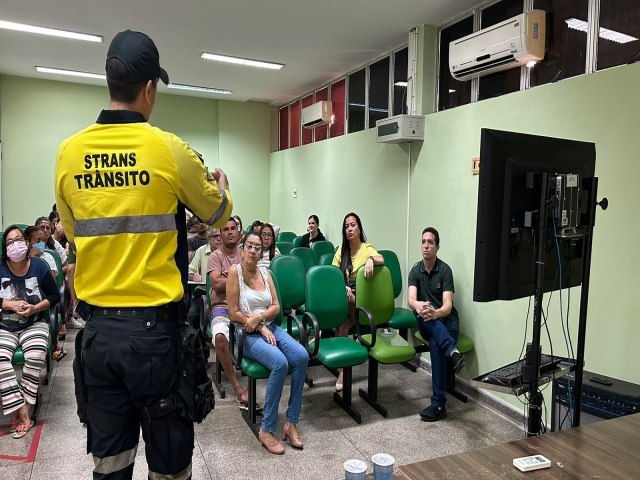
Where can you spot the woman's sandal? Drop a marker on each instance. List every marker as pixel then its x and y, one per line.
pixel 245 406
pixel 21 430
pixel 59 354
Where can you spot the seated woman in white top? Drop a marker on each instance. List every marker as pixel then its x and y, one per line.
pixel 253 303
pixel 35 237
pixel 269 249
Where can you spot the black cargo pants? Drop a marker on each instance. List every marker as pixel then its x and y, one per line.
pixel 131 362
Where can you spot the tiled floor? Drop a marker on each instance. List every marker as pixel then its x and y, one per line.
pixel 226 448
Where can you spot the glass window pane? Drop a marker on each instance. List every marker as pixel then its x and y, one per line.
pixel 452 92
pixel 378 91
pixel 307 133
pixel 284 127
pixel 294 124
pixel 321 132
pixel 506 81
pixel 338 100
pixel 400 69
pixel 566 48
pixel 356 101
pixel 619 33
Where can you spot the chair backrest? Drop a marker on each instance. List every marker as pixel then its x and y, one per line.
pixel 325 296
pixel 284 247
pixel 376 295
pixel 280 318
pixel 393 264
pixel 297 241
pixel 58 260
pixel 290 272
pixel 322 247
pixel 286 237
pixel 326 259
pixel 307 256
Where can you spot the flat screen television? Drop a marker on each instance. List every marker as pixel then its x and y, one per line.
pixel 509 194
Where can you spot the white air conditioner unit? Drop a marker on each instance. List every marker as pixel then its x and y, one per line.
pixel 400 129
pixel 512 43
pixel 317 114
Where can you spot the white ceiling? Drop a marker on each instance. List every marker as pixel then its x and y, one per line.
pixel 317 41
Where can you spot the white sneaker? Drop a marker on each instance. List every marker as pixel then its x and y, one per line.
pixel 75 323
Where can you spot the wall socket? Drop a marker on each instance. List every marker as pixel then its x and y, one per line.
pixel 295 193
pixel 475 165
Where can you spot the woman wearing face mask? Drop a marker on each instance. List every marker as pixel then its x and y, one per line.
pixel 35 237
pixel 51 243
pixel 27 290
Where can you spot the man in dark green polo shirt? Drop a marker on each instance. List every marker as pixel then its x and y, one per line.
pixel 431 297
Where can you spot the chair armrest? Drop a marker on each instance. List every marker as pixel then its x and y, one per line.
pixel 372 326
pixel 241 333
pixel 303 339
pixel 306 318
pixel 232 341
pixel 204 315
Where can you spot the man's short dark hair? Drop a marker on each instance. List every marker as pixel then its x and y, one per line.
pixel 434 232
pixel 125 92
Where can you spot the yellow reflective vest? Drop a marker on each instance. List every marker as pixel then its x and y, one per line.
pixel 118 183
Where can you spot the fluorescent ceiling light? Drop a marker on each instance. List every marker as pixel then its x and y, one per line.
pixel 241 61
pixel 195 88
pixel 72 73
pixel 605 33
pixel 21 27
pixel 400 84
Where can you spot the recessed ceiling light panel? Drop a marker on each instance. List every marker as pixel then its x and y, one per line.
pixel 72 73
pixel 21 27
pixel 241 61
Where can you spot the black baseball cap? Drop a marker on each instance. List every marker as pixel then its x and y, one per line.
pixel 139 55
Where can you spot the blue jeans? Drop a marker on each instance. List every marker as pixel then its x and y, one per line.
pixel 442 334
pixel 277 359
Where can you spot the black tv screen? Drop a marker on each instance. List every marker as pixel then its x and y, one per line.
pixel 509 194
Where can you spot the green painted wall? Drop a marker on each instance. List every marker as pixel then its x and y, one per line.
pixel 35 115
pixel 337 176
pixel 354 173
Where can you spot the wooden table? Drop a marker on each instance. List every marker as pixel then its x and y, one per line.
pixel 609 449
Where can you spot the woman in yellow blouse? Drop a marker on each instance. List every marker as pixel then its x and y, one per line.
pixel 353 254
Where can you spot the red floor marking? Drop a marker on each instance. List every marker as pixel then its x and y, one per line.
pixel 33 449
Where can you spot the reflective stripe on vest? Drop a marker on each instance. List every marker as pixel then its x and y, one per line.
pixel 217 215
pixel 95 227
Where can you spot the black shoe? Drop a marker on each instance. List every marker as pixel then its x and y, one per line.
pixel 457 360
pixel 433 413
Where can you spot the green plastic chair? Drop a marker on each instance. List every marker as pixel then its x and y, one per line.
pixel 323 247
pixel 403 318
pixel 297 241
pixel 465 345
pixel 326 259
pixel 286 237
pixel 289 271
pixel 308 257
pixel 327 308
pixel 255 370
pixel 375 295
pixel 284 247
